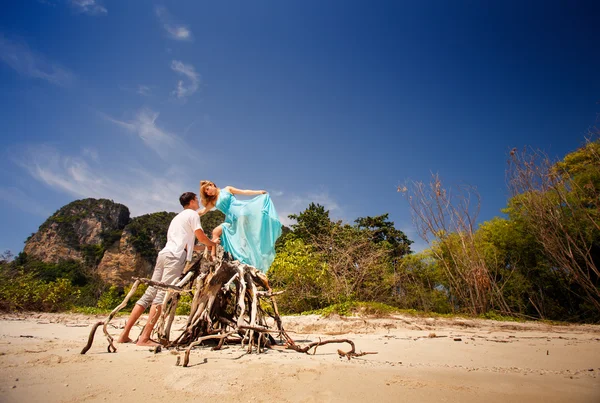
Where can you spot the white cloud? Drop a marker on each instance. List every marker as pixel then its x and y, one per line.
pixel 90 7
pixel 188 71
pixel 26 62
pixel 167 145
pixel 175 30
pixel 159 140
pixel 142 191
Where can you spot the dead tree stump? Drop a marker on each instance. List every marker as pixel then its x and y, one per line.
pixel 231 304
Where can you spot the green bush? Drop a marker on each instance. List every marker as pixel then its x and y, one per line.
pixel 110 299
pixel 24 292
pixel 303 275
pixel 135 297
pixel 185 304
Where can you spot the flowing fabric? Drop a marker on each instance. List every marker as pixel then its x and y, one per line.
pixel 250 229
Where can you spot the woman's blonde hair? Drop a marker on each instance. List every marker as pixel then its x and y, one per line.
pixel 204 198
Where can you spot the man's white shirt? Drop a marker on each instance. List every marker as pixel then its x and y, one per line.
pixel 180 235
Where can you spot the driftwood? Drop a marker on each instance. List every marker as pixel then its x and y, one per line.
pixel 227 307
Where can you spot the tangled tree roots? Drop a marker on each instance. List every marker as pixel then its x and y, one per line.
pixel 231 304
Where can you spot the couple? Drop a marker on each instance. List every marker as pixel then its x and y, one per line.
pixel 249 233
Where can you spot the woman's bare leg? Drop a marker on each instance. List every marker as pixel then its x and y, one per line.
pixel 216 234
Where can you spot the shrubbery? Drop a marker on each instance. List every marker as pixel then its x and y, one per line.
pixel 20 291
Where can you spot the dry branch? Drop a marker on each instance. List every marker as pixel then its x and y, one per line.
pixel 226 308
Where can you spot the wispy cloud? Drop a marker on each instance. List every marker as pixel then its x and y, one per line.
pixel 144 125
pixel 80 176
pixel 28 63
pixel 174 29
pixel 183 91
pixel 89 7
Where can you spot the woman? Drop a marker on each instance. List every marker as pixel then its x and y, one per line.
pixel 251 227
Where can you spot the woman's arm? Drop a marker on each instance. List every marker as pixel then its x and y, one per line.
pixel 205 209
pixel 236 191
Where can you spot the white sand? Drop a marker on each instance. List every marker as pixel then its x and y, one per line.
pixel 493 362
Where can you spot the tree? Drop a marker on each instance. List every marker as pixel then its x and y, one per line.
pixel 6 257
pixel 383 230
pixel 446 219
pixel 559 203
pixel 311 222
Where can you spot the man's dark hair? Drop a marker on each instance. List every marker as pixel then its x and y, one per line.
pixel 186 198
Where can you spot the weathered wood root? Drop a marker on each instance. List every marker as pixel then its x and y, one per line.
pixel 111 347
pixel 186 357
pixel 91 337
pixel 349 354
pixel 226 307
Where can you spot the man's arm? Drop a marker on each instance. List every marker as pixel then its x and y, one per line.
pixel 204 239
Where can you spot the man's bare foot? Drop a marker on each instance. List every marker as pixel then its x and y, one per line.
pixel 122 339
pixel 147 343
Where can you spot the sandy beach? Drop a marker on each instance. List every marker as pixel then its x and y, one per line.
pixel 418 359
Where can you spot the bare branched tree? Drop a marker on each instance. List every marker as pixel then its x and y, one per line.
pixel 446 221
pixel 356 265
pixel 562 212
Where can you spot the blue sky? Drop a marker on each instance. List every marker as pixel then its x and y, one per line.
pixel 334 102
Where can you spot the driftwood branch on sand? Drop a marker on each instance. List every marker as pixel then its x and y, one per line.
pixel 231 304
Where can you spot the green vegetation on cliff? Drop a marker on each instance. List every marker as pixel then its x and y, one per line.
pixel 149 233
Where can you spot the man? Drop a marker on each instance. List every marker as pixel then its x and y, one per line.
pixel 183 230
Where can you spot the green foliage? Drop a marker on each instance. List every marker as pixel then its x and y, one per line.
pixel 110 298
pixel 311 223
pixel 136 295
pixel 421 285
pixel 71 270
pixel 184 306
pixel 303 275
pixel 24 292
pixel 493 315
pixel 350 308
pixel 149 233
pixel 92 254
pixel 109 237
pixel 383 231
pixel 540 262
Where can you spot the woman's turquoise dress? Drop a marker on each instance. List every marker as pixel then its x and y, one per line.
pixel 250 229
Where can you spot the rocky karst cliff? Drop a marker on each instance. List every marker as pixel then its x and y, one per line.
pixel 101 237
pixel 136 251
pixel 78 231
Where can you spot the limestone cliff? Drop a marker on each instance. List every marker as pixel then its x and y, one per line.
pixel 79 231
pixel 136 251
pixel 100 236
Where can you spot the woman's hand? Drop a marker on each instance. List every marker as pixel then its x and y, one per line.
pixel 263 192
